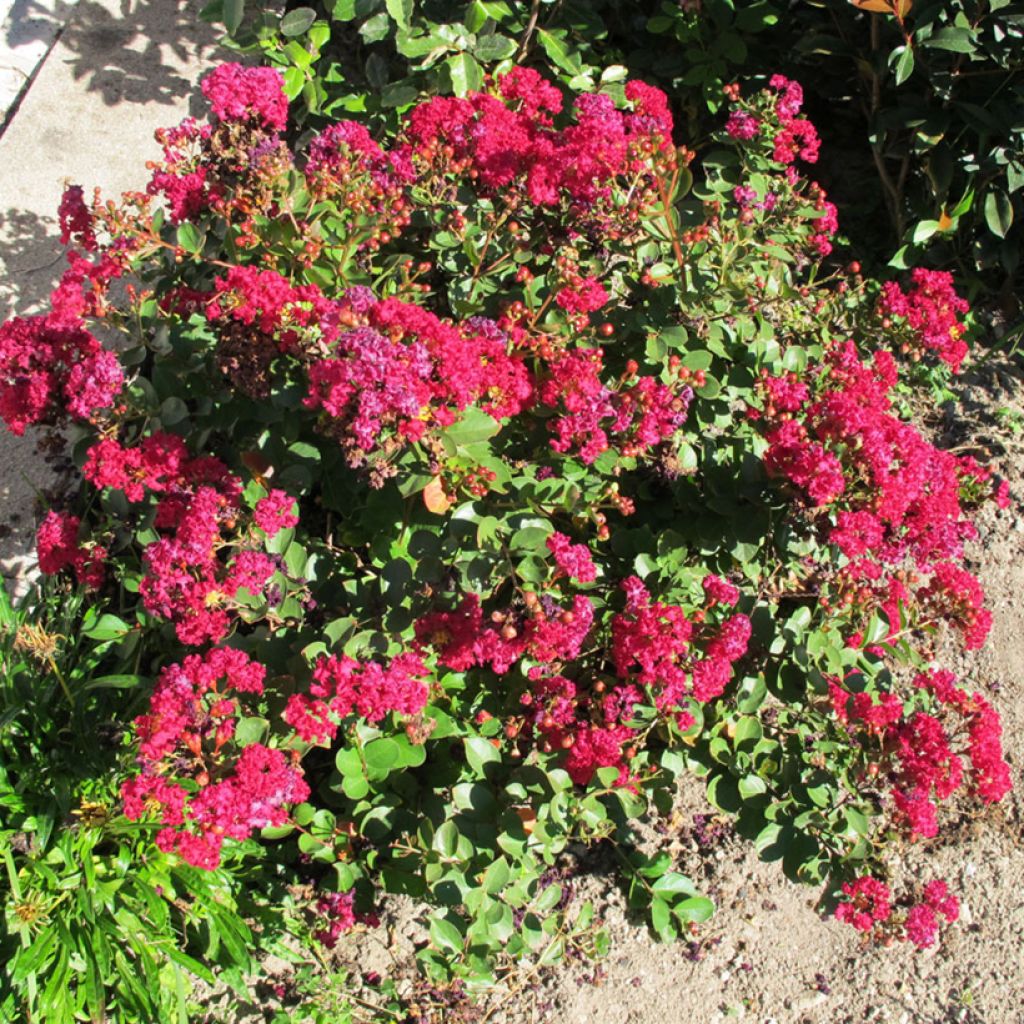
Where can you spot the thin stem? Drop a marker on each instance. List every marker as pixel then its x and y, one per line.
pixel 531 25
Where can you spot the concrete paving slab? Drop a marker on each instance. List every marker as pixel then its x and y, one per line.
pixel 28 28
pixel 118 70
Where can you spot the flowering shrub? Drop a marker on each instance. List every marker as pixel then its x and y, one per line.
pixel 469 486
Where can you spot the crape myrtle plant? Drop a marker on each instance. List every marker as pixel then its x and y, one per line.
pixel 470 485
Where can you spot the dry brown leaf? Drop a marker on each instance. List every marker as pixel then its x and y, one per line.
pixel 435 498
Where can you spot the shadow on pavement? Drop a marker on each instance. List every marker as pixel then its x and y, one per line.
pixel 31 261
pixel 121 48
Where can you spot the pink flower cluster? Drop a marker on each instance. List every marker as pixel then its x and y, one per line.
pixel 796 135
pixel 401 370
pixel 548 634
pixel 239 93
pixel 507 143
pixel 343 686
pixel 51 365
pixel 344 162
pixel 196 569
pixel 58 548
pixel 336 915
pixel 932 313
pixel 572 559
pixel 189 579
pixel 636 417
pixel 770 125
pixel 190 775
pixel 792 136
pixel 275 512
pixel 868 907
pixel 893 493
pixel 926 763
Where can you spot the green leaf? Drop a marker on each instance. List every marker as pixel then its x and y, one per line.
pixel 473 426
pixel 446 840
pixel 190 238
pixel 251 730
pixel 295 22
pixel 998 212
pixel 904 63
pixel 493 47
pixel 355 787
pixel 401 11
pixel 376 28
pixel 497 876
pixel 445 935
pixel 558 50
pixel 480 752
pixel 398 94
pixel 724 793
pixel 114 682
pixel 696 909
pixel 109 627
pixel 466 74
pixel 381 756
pixel 674 884
pixel 234 10
pixel 531 538
pixel 661 921
pixel 923 230
pixel 958 40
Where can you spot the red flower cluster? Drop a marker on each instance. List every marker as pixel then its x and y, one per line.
pixel 893 493
pixel 190 774
pixel 336 915
pixel 239 93
pixel 869 902
pixel 189 579
pixel 651 644
pixel 636 417
pixel 572 559
pixel 923 920
pixel 868 907
pixel 926 766
pixel 507 143
pixel 58 548
pixel 548 634
pixel 931 310
pixel 266 300
pixel 51 365
pixel 396 371
pixel 343 686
